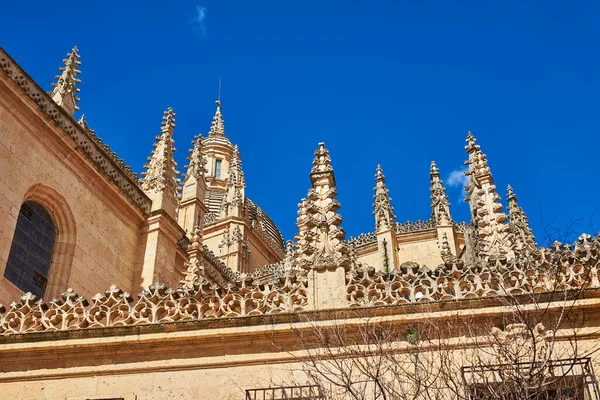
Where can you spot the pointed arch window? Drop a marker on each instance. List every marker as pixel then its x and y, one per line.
pixel 32 249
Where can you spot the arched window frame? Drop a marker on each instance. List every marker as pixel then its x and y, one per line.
pixel 65 242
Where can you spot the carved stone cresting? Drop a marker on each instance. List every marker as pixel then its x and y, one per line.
pixel 64 93
pixel 156 305
pixel 519 225
pixel 94 149
pixel 321 239
pixel 440 207
pixel 492 235
pixel 546 270
pixel 382 207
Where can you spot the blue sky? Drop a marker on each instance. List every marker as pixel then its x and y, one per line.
pixel 397 83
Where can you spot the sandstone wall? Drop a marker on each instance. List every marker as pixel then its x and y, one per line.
pixel 36 156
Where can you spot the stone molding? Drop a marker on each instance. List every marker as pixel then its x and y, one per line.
pixel 94 149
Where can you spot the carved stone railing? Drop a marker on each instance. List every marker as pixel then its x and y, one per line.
pixel 363 238
pixel 92 146
pixel 415 226
pixel 544 270
pixel 156 305
pixel 460 227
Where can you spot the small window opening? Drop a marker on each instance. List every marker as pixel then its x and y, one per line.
pixel 218 169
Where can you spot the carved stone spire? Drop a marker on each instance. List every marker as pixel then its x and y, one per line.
pixel 492 237
pixel 320 239
pixel 160 178
pixel 64 93
pixel 519 224
pixel 196 161
pixel 217 128
pixel 382 207
pixel 440 207
pixel 233 201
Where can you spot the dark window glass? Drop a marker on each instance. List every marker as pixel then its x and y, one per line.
pixel 31 249
pixel 218 164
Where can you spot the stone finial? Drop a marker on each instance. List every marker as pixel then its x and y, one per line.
pixel 320 239
pixel 519 224
pixel 83 123
pixel 217 128
pixel 196 160
pixel 161 173
pixel 440 207
pixel 382 207
pixel 233 200
pixel 322 164
pixel 64 93
pixel 492 236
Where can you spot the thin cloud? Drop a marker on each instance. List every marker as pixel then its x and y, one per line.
pixel 198 20
pixel 457 178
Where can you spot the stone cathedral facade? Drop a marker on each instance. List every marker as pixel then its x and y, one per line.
pixel 81 235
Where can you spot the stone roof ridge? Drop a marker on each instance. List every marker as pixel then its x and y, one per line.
pixel 382 207
pixel 161 171
pixel 65 87
pixel 99 154
pixel 440 206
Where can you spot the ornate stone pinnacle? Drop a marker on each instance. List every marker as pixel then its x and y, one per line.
pixel 477 161
pixel 233 201
pixel 83 122
pixel 445 250
pixel 492 238
pixel 320 239
pixel 382 207
pixel 161 173
pixel 196 159
pixel 519 225
pixel 440 207
pixel 217 128
pixel 65 85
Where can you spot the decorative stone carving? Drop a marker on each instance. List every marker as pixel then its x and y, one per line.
pixel 65 86
pixel 161 173
pixel 416 226
pixel 446 252
pixel 321 239
pixel 546 270
pixel 217 128
pixel 440 207
pixel 519 225
pixel 382 207
pixel 492 236
pixel 196 160
pixel 157 304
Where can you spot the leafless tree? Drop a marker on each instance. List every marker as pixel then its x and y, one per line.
pixel 532 345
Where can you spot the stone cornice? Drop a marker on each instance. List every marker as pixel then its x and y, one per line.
pixel 94 149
